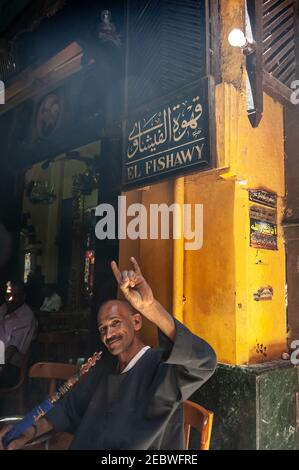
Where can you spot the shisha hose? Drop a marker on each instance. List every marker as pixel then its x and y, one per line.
pixel 43 408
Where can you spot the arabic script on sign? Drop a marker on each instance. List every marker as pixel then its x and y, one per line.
pixel 169 126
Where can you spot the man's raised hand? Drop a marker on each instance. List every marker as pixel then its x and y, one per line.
pixel 134 287
pixel 139 294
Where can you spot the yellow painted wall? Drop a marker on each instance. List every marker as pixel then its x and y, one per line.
pixel 155 256
pixel 220 279
pixel 209 276
pixel 260 161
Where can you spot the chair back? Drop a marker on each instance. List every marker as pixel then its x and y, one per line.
pixel 200 419
pixel 52 371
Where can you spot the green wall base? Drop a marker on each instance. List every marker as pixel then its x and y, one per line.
pixel 254 406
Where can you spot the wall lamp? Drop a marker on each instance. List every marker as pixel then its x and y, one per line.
pixel 237 38
pixel 251 45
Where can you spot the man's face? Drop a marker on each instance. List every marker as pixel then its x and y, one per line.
pixel 118 327
pixel 14 298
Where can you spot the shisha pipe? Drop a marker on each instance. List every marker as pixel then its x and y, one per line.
pixel 43 408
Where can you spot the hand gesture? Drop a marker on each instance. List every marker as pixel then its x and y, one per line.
pixel 134 287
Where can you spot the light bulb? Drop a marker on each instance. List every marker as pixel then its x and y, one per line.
pixel 236 38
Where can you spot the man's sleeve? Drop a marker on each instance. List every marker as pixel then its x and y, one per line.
pixel 68 412
pixel 22 333
pixel 190 362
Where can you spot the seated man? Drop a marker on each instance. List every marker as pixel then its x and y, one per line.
pixel 52 301
pixel 17 328
pixel 133 397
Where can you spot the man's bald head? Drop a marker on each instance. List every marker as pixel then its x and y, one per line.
pixel 114 304
pixel 119 324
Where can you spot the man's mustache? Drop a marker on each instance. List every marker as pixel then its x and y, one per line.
pixel 113 338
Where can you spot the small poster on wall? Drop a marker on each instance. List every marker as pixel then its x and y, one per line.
pixel 263 220
pixel 265 198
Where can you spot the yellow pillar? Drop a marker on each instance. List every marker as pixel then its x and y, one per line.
pixel 220 279
pixel 178 256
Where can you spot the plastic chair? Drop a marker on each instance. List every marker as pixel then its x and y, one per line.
pixel 200 419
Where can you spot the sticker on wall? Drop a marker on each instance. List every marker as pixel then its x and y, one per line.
pixel 263 197
pixel 264 293
pixel 263 220
pixel 262 213
pixel 263 235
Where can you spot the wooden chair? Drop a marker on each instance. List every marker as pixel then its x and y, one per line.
pixel 52 371
pixel 200 419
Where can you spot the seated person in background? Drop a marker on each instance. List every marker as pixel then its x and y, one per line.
pixel 17 328
pixel 52 301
